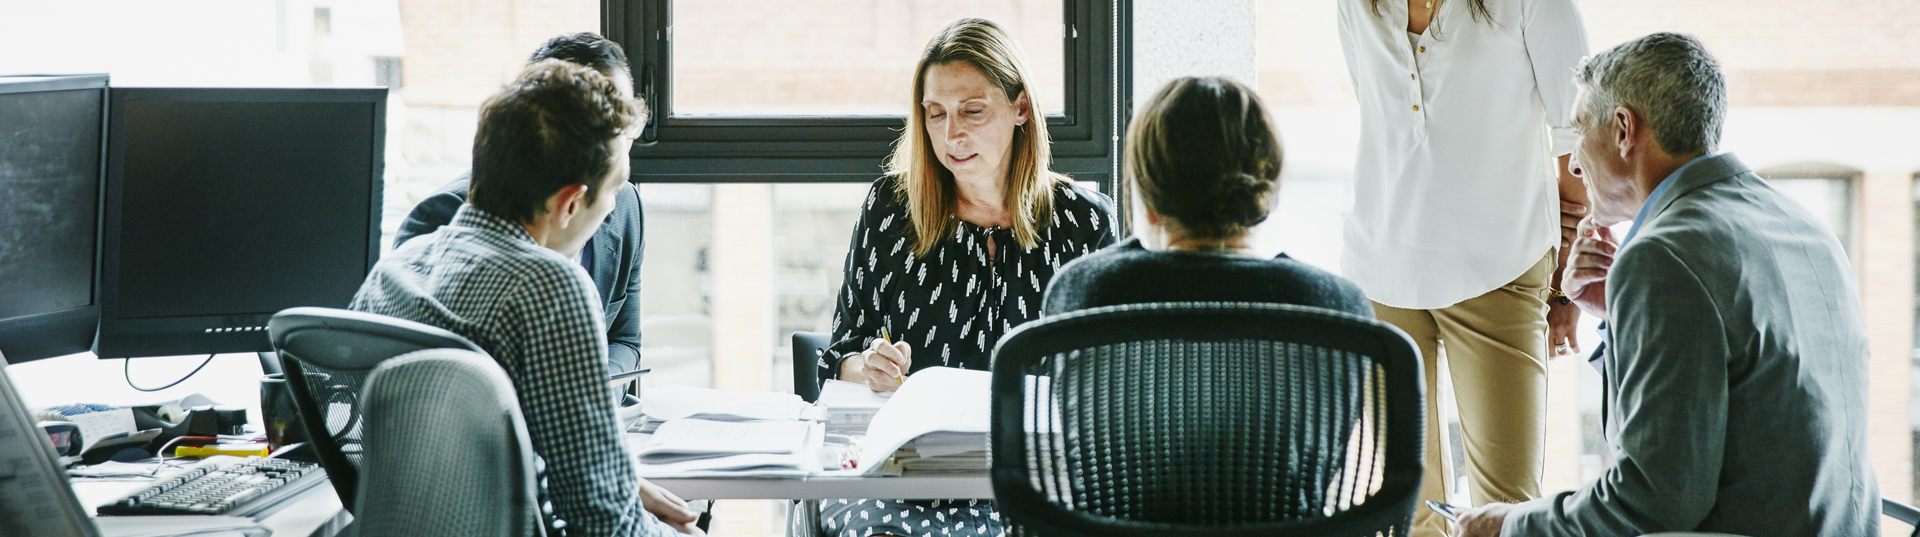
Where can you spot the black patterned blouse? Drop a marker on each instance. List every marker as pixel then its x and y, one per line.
pixel 952 306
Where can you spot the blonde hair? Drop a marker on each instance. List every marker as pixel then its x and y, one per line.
pixel 928 187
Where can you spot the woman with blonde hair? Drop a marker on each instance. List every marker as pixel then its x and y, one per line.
pixel 955 246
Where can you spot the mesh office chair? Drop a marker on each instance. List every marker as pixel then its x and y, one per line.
pixel 1230 419
pixel 327 354
pixel 447 451
pixel 803 516
pixel 808 347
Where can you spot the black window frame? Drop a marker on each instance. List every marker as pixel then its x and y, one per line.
pixel 826 149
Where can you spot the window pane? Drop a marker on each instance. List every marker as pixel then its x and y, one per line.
pixel 1829 200
pixel 732 271
pixel 837 57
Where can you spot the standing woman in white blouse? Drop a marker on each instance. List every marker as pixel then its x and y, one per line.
pixel 1462 207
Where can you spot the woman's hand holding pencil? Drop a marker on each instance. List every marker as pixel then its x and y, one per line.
pixel 885 363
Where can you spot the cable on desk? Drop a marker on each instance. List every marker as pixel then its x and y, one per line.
pixel 127 367
pixel 162 453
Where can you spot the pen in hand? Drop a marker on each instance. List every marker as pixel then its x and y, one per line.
pixel 888 337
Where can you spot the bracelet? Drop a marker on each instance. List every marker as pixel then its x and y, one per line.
pixel 1557 297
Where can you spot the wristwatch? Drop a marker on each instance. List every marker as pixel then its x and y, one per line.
pixel 1557 297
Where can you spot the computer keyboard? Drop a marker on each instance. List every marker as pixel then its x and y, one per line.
pixel 224 486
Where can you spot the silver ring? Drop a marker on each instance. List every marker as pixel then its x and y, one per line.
pixel 1561 347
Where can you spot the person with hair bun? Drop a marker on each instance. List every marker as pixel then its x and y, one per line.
pixel 1204 162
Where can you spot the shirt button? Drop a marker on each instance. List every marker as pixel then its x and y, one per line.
pixel 1412 77
pixel 1423 49
pixel 1416 108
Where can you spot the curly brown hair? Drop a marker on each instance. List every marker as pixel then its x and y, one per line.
pixel 554 126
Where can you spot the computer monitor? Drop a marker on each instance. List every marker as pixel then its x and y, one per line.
pixel 224 206
pixel 50 148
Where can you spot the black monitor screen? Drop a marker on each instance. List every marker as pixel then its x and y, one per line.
pixel 50 172
pixel 226 206
pixel 49 212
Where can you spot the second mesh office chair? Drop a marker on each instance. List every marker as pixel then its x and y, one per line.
pixel 1206 419
pixel 447 451
pixel 327 354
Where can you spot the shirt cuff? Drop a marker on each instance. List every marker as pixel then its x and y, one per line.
pixel 1563 140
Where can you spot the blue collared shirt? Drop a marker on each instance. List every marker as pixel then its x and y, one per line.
pixel 1647 206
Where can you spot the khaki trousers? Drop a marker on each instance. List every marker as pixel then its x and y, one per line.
pixel 1495 350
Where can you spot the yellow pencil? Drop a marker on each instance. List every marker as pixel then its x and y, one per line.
pixel 888 337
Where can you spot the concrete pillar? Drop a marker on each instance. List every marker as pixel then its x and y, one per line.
pixel 1176 38
pixel 743 315
pixel 742 309
pixel 1886 293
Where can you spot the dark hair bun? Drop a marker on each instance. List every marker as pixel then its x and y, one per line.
pixel 1241 199
pixel 1204 155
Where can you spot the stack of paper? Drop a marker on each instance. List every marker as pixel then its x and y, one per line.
pixel 937 421
pixel 665 403
pixel 850 406
pixel 689 439
pixel 698 447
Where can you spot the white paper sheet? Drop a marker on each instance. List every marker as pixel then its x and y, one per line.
pixel 934 400
pixel 686 439
pixel 679 402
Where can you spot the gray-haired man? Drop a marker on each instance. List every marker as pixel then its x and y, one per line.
pixel 1736 369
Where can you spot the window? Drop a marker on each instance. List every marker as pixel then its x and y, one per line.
pixel 1826 191
pixel 770 120
pixel 806 91
pixel 767 131
pixel 386 73
pixel 828 58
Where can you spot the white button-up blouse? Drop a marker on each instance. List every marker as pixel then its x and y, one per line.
pixel 1454 190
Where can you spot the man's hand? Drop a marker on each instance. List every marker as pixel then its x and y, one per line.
pixel 1585 278
pixel 669 508
pixel 1573 201
pixel 1562 322
pixel 1483 521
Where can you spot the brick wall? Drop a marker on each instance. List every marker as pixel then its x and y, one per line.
pixel 459 52
pixel 1775 52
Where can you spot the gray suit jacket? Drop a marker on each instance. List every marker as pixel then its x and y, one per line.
pixel 618 247
pixel 1736 374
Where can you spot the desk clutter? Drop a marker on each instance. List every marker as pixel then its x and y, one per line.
pixel 937 422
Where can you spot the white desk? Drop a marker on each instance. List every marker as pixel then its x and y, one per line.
pixel 909 486
pixel 315 512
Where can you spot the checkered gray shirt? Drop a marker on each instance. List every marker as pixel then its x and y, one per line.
pixel 538 313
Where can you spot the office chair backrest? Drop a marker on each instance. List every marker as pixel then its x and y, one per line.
pixel 1206 419
pixel 447 450
pixel 327 354
pixel 808 347
pixel 803 517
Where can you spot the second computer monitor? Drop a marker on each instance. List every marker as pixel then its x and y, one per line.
pixel 49 213
pixel 224 206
